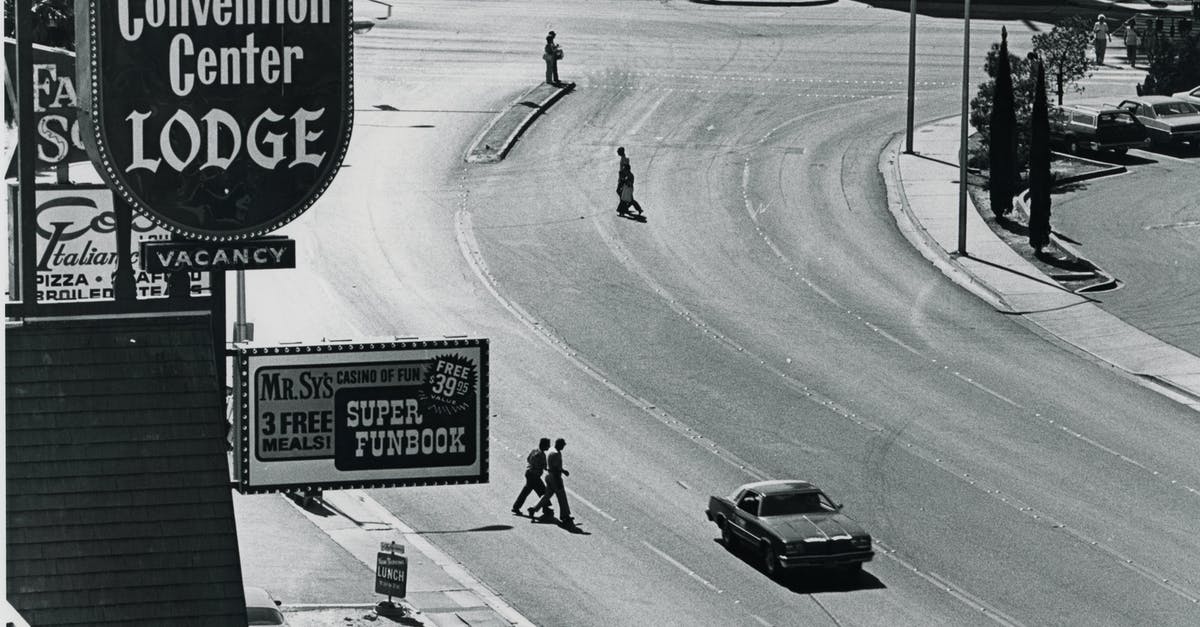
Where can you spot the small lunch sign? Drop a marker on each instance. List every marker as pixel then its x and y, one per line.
pixel 219 120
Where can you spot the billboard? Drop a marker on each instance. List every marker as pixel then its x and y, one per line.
pixel 76 247
pixel 382 414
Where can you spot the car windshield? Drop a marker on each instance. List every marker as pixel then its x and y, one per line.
pixel 263 616
pixel 1117 119
pixel 792 503
pixel 1174 108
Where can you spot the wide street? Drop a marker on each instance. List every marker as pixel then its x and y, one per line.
pixel 767 321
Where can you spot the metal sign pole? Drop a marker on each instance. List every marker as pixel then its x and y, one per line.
pixel 26 152
pixel 962 153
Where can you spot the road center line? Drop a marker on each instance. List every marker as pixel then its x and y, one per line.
pixel 575 495
pixel 690 573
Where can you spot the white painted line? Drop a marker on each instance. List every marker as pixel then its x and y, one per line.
pixel 575 495
pixel 637 126
pixel 990 391
pixel 690 573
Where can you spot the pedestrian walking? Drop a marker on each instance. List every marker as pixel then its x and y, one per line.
pixel 1100 38
pixel 552 54
pixel 535 465
pixel 554 484
pixel 624 160
pixel 625 187
pixel 1132 41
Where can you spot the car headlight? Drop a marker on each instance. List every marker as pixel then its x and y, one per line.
pixel 862 541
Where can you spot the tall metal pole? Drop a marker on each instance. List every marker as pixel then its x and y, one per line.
pixel 962 150
pixel 241 330
pixel 912 73
pixel 26 153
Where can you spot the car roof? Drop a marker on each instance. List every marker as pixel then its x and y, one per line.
pixel 1092 108
pixel 1154 99
pixel 779 486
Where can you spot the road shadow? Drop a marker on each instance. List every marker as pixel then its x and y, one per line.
pixel 635 217
pixel 311 504
pixel 472 530
pixel 811 580
pixel 1179 151
pixel 571 527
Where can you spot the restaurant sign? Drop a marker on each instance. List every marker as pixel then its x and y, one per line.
pixel 76 249
pixel 393 413
pixel 218 119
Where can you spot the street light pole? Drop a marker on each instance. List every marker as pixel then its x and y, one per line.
pixel 912 73
pixel 962 150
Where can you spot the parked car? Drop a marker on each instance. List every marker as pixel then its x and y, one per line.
pixel 790 524
pixel 1169 120
pixel 1077 127
pixel 261 607
pixel 1192 96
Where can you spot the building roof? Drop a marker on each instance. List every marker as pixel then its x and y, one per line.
pixel 119 502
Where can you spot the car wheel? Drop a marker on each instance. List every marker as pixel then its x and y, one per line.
pixel 726 535
pixel 1073 146
pixel 770 561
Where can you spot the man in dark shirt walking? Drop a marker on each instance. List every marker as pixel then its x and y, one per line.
pixel 535 465
pixel 554 483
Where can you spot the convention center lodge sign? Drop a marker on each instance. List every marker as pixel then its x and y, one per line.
pixel 220 120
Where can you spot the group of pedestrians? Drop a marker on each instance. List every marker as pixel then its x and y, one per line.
pixel 543 461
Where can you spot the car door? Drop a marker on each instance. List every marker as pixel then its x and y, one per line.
pixel 745 516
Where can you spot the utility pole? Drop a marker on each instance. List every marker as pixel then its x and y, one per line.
pixel 912 73
pixel 962 150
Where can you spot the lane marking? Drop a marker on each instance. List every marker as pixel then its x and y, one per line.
pixel 990 391
pixel 637 126
pixel 689 572
pixel 575 495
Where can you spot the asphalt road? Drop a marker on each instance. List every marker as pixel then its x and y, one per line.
pixel 768 321
pixel 1141 227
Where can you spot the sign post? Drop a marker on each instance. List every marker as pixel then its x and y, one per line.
pixel 391 578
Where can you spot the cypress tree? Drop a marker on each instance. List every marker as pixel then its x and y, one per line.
pixel 1002 144
pixel 1039 166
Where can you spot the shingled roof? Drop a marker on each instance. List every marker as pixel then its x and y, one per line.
pixel 119 504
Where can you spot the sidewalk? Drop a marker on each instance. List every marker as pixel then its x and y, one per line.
pixel 923 197
pixel 440 592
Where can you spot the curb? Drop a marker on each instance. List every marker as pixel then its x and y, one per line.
pixel 919 237
pixel 1021 204
pixel 482 150
pixel 1111 170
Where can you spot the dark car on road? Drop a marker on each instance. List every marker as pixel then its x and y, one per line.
pixel 1169 120
pixel 1074 128
pixel 790 524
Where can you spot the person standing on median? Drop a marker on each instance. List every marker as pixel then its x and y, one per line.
pixel 1100 38
pixel 535 465
pixel 554 484
pixel 551 54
